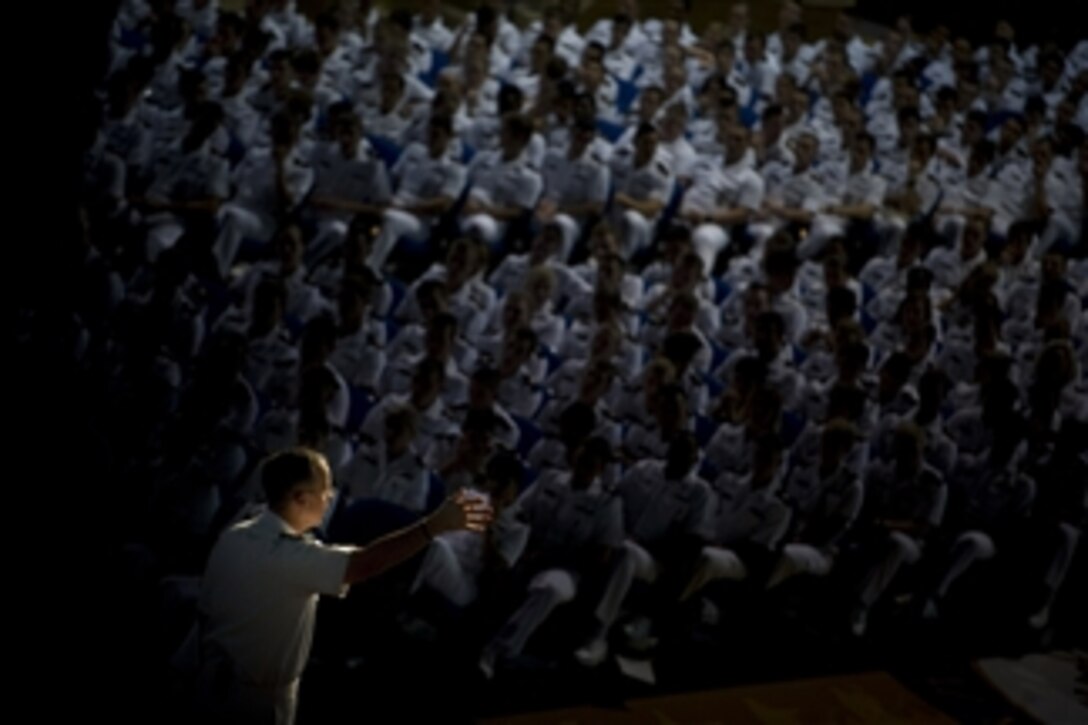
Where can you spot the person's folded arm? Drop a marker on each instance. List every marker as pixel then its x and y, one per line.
pixel 209 205
pixel 581 210
pixel 799 216
pixel 854 211
pixel 355 207
pixel 426 207
pixel 730 216
pixel 503 213
pixel 646 207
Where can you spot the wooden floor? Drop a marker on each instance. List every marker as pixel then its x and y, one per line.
pixel 873 697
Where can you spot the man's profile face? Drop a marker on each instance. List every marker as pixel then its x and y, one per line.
pixel 314 500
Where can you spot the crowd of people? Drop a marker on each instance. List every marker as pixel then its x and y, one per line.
pixel 687 305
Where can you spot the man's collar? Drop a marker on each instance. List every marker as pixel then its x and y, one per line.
pixel 273 523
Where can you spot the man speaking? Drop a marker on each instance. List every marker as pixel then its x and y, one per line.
pixel 259 593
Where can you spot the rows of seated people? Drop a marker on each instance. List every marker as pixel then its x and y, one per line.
pixel 715 306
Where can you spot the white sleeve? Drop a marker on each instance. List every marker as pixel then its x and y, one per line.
pixel 374 424
pixel 454 181
pixel 380 190
pixel 528 192
pixel 751 193
pixel 663 188
pixel 299 181
pixel 610 524
pixel 219 180
pixel 512 537
pixel 598 189
pixel 698 520
pixel 405 159
pixel 940 500
pixel 311 566
pixel 814 199
pixel 876 191
pixel 500 274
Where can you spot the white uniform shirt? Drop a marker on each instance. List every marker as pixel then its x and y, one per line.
pixel 654 507
pixel 198 174
pixel 508 535
pixel 601 32
pixel 435 34
pixel 360 356
pixel 361 179
pixel 652 181
pixel 419 177
pixel 949 268
pixel 740 514
pixel 304 301
pixel 402 480
pixel 564 522
pixel 511 272
pixel 255 181
pixel 433 425
pixel 259 596
pixel 398 373
pixel 472 303
pixel 499 182
pixel 724 187
pixel 578 181
pixel 800 191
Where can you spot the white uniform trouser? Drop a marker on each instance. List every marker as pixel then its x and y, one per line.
pixel 950 226
pixel 824 227
pixel 1001 221
pixel 441 571
pixel 800 559
pixel 395 224
pixel 709 240
pixel 889 231
pixel 553 587
pixel 901 549
pixel 761 232
pixel 164 231
pixel 235 224
pixel 715 563
pixel 635 232
pixel 1059 228
pixel 485 227
pixel 970 546
pixel 571 230
pixel 1069 536
pixel 330 234
pixel 634 563
pixel 223 698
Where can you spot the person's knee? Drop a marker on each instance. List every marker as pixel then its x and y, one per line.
pixel 1069 535
pixel 397 222
pixel 905 547
pixel 226 214
pixel 807 559
pixel 634 224
pixel 709 240
pixel 557 583
pixel 978 544
pixel 480 226
pixel 333 229
pixel 722 564
pixel 569 230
